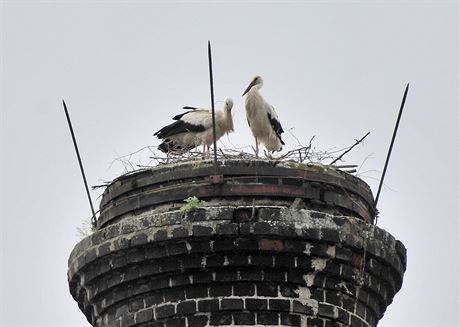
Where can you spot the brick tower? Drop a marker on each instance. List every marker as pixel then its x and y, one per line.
pixel 273 245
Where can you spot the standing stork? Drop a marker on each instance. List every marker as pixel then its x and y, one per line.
pixel 262 119
pixel 194 128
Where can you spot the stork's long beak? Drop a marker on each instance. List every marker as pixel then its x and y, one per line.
pixel 249 87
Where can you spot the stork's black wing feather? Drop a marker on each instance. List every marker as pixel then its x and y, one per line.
pixel 178 127
pixel 276 126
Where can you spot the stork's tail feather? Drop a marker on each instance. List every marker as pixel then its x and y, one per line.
pixel 169 146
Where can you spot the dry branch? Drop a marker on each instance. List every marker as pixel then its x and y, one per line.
pixel 356 143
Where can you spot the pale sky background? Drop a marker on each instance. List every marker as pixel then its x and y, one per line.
pixel 332 69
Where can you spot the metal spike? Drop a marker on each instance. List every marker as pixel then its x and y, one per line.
pixel 93 219
pixel 391 147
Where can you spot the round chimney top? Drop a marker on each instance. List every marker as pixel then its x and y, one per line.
pixel 237 183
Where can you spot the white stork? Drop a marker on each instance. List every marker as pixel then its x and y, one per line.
pixel 194 128
pixel 262 118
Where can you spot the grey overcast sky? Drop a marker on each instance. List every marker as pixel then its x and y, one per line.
pixel 334 69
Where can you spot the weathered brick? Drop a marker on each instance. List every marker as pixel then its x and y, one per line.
pixel 247 244
pixel 355 321
pixel 275 276
pixel 244 318
pixel 231 304
pixel 348 303
pixel 199 214
pixel 299 307
pixel 127 320
pixel 220 318
pixel 176 248
pixel 164 311
pixel 223 245
pixel 136 305
pixel 269 214
pixel 197 291
pixel 180 280
pixel 294 246
pixel 90 256
pixel 186 307
pixel 121 311
pixel 327 310
pixel 155 252
pixel 267 318
pixel 153 300
pixel 320 250
pixel 144 315
pixel 104 249
pixel 148 269
pixel 289 290
pixel 174 295
pixel 279 305
pixel 316 322
pixel 271 245
pixel 332 268
pixel 267 289
pixel 262 260
pixel 200 246
pixel 216 260
pixel 284 261
pixel 208 305
pixel 246 228
pixel 237 260
pixel 334 298
pixel 256 304
pixel 262 228
pixel 159 283
pixel 227 229
pixel 343 254
pixel 220 290
pixel 330 235
pixel 226 275
pixel 139 239
pixel 176 322
pixel 160 235
pixel 202 277
pixel 191 262
pixel 251 275
pixel 199 231
pixel 169 264
pixel 295 276
pixel 197 321
pixel 290 319
pixel 243 289
pixel 115 323
pixel 180 232
pixel 287 231
pixel 241 215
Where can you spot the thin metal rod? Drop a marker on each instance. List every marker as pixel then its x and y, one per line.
pixel 211 82
pixel 391 146
pixel 93 219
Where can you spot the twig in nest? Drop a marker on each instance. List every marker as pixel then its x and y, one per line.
pixel 349 149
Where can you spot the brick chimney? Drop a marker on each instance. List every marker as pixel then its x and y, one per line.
pixel 275 244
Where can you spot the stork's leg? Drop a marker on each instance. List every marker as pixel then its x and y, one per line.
pixel 257 148
pixel 204 148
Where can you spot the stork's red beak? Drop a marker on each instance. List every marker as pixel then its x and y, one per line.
pixel 249 87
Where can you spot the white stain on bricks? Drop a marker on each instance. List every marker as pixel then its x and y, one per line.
pixel 318 264
pixel 308 247
pixel 305 298
pixel 309 278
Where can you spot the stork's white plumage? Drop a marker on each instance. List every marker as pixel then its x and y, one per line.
pixel 262 118
pixel 194 128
